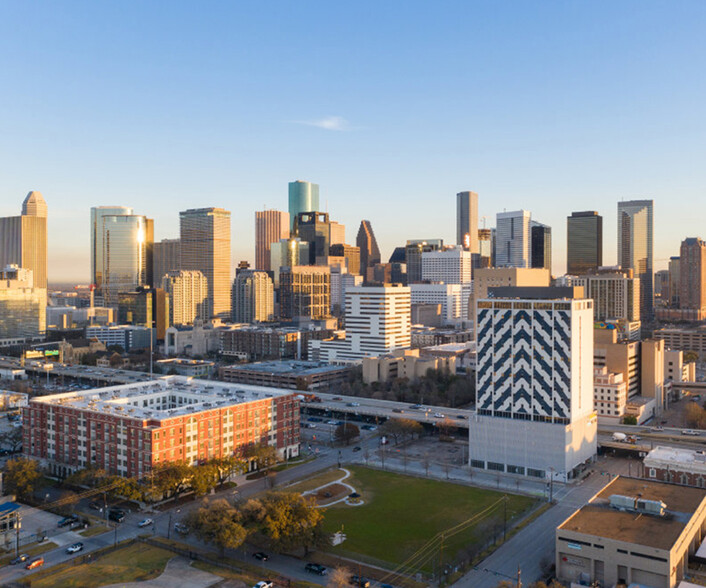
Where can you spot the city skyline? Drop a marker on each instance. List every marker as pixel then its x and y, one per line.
pixel 482 102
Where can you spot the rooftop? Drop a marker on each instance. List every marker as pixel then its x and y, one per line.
pixel 677 455
pixel 162 398
pixel 297 368
pixel 599 519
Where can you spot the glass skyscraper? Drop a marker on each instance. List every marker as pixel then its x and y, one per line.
pixel 303 197
pixel 635 247
pixel 97 215
pixel 584 242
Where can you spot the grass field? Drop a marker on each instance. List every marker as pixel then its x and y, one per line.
pixel 96 529
pixel 31 550
pixel 133 563
pixel 401 513
pixel 320 480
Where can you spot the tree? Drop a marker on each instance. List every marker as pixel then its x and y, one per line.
pixel 203 479
pixel 690 356
pixel 695 416
pixel 339 578
pixel 218 523
pixel 21 476
pixel 630 419
pixel 226 466
pixel 171 479
pixel 289 520
pixel 12 438
pixel 346 432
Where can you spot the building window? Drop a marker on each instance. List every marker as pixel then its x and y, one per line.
pixel 653 473
pixel 477 463
pixel 495 466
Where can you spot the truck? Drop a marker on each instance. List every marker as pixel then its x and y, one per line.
pixel 619 436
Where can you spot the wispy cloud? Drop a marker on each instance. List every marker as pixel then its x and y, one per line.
pixel 328 123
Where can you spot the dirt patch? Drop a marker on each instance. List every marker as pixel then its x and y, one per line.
pixel 331 492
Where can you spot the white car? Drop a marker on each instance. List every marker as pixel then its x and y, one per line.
pixel 438 415
pixel 145 523
pixel 75 548
pixel 263 584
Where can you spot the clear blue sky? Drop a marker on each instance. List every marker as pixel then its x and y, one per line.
pixel 163 106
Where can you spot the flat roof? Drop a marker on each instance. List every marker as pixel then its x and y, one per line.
pixel 171 396
pixel 677 455
pixel 286 368
pixel 599 519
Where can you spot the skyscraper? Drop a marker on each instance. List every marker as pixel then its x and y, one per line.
pixel 288 253
pixel 541 245
pixel 253 297
pixel 635 247
pixel 166 256
pixel 205 246
pixel 303 197
pixel 127 255
pixel 414 250
pixel 23 306
pixel 337 233
pixel 467 220
pixel 188 296
pixel 369 250
pixel 305 291
pixel 450 266
pixel 485 249
pixel 692 274
pixel 23 239
pixel 584 242
pixel 97 215
pixel 270 227
pixel 512 239
pixel 351 255
pixel 314 228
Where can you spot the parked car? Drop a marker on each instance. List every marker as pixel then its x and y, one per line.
pixel 66 521
pixel 181 528
pixel 360 581
pixel 690 432
pixel 356 448
pixel 316 569
pixel 145 523
pixel 75 548
pixel 438 415
pixel 35 563
pixel 261 556
pixel 20 559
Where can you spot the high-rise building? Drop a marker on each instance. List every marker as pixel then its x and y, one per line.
pixel 662 285
pixel 674 280
pixel 467 220
pixel 692 274
pixel 351 255
pixel 166 255
pixel 584 242
pixel 512 239
pixel 369 250
pixel 127 255
pixel 485 249
pixel 540 245
pixel 270 227
pixel 314 228
pixel 414 250
pixel 23 239
pixel 288 253
pixel 305 292
pixel 98 213
pixel 377 322
pixel 303 197
pixel 205 246
pixel 23 307
pixel 253 297
pixel 450 266
pixel 188 296
pixel 535 384
pixel 454 305
pixel 635 247
pixel 615 293
pixel 341 280
pixel 145 307
pixel 337 233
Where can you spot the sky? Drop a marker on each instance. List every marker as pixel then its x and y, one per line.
pixel 391 107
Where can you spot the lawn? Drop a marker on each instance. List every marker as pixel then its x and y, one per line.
pixel 401 513
pixel 31 550
pixel 134 563
pixel 320 480
pixel 95 529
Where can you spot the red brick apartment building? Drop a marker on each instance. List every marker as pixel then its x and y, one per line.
pixel 129 429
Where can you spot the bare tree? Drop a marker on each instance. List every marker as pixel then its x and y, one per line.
pixel 426 462
pixel 339 578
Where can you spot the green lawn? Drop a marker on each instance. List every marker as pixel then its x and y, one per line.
pixel 401 513
pixel 134 563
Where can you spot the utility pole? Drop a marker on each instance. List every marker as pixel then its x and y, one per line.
pixel 441 558
pixel 504 517
pixel 519 576
pixel 18 519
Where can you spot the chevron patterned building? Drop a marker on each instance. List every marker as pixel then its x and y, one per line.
pixel 534 383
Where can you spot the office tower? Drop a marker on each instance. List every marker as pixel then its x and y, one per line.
pixel 450 297
pixel 535 384
pixel 692 274
pixel 23 239
pixel 467 221
pixel 304 292
pixel 166 256
pixel 188 296
pixel 635 247
pixel 303 197
pixel 98 213
pixel 127 255
pixel 253 297
pixel 485 249
pixel 512 239
pixel 337 233
pixel 288 253
pixel 540 245
pixel 369 250
pixel 584 242
pixel 145 307
pixel 662 285
pixel 314 228
pixel 23 307
pixel 674 278
pixel 270 227
pixel 615 294
pixel 205 246
pixel 450 266
pixel 414 250
pixel 341 280
pixel 377 322
pixel 351 255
